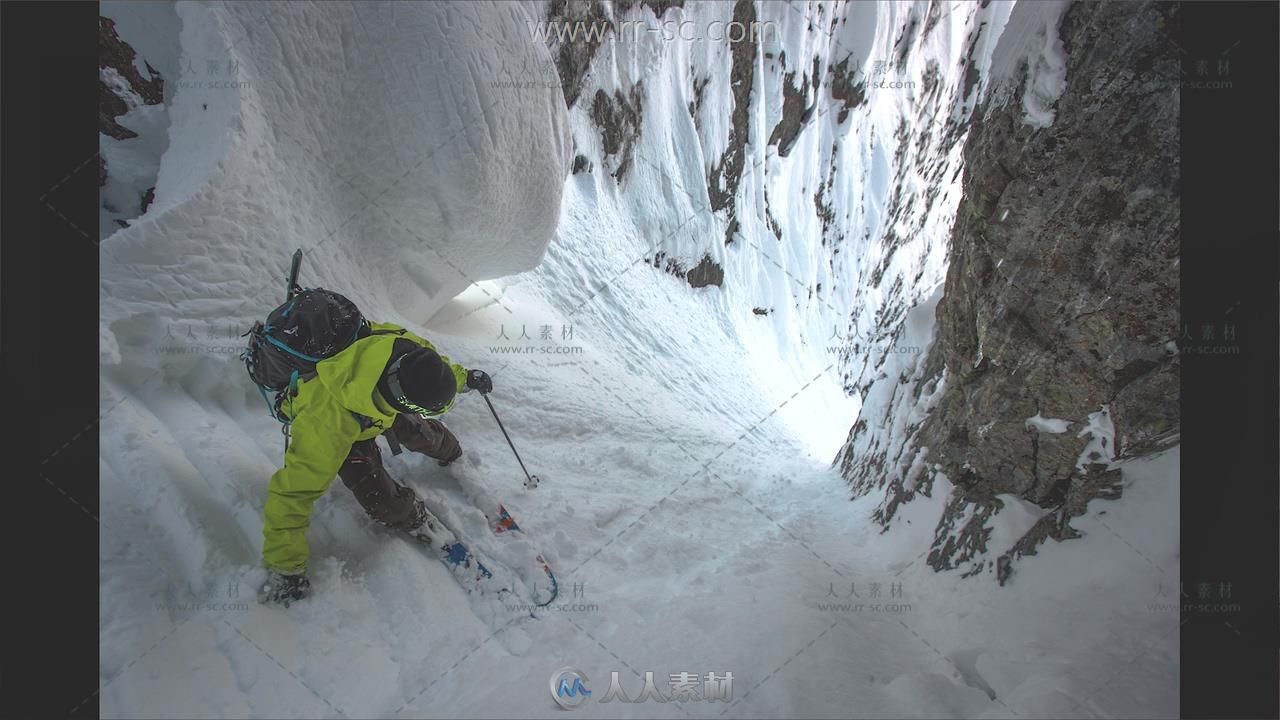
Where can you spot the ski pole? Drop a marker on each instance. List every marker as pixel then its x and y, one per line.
pixel 531 481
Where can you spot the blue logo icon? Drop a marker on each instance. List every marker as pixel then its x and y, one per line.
pixel 569 688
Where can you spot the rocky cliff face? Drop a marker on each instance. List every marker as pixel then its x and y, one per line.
pixel 128 88
pixel 130 105
pixel 1053 351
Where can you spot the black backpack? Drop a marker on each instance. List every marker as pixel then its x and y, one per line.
pixel 311 325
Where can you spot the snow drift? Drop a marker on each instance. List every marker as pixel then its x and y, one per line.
pixel 395 159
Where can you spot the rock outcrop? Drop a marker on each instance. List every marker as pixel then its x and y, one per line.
pixel 127 89
pixel 726 173
pixel 706 272
pixel 1061 299
pixel 619 119
pixel 573 59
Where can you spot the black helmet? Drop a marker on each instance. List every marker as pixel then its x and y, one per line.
pixel 419 381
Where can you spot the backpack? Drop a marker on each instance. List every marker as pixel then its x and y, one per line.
pixel 311 325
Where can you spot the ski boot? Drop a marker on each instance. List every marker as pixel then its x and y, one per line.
pixel 450 461
pixel 428 529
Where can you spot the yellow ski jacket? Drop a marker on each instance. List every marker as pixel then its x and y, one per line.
pixel 330 412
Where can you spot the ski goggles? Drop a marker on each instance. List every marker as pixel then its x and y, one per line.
pixel 393 384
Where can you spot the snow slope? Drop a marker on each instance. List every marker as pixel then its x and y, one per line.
pixel 684 442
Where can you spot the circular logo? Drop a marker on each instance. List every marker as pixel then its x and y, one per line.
pixel 569 687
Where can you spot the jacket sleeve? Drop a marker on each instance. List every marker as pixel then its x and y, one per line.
pixel 322 435
pixel 459 372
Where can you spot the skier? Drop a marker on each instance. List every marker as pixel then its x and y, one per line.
pixel 389 381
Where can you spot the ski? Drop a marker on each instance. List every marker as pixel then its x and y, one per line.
pixel 505 525
pixel 499 591
pixel 493 601
pixel 472 574
pixel 506 530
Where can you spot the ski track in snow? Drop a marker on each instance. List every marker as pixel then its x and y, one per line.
pixel 687 502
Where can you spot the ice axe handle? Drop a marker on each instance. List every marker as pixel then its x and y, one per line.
pixel 292 288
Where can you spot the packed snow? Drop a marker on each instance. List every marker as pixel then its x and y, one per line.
pixel 1030 46
pixel 688 504
pixel 1048 425
pixel 1101 433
